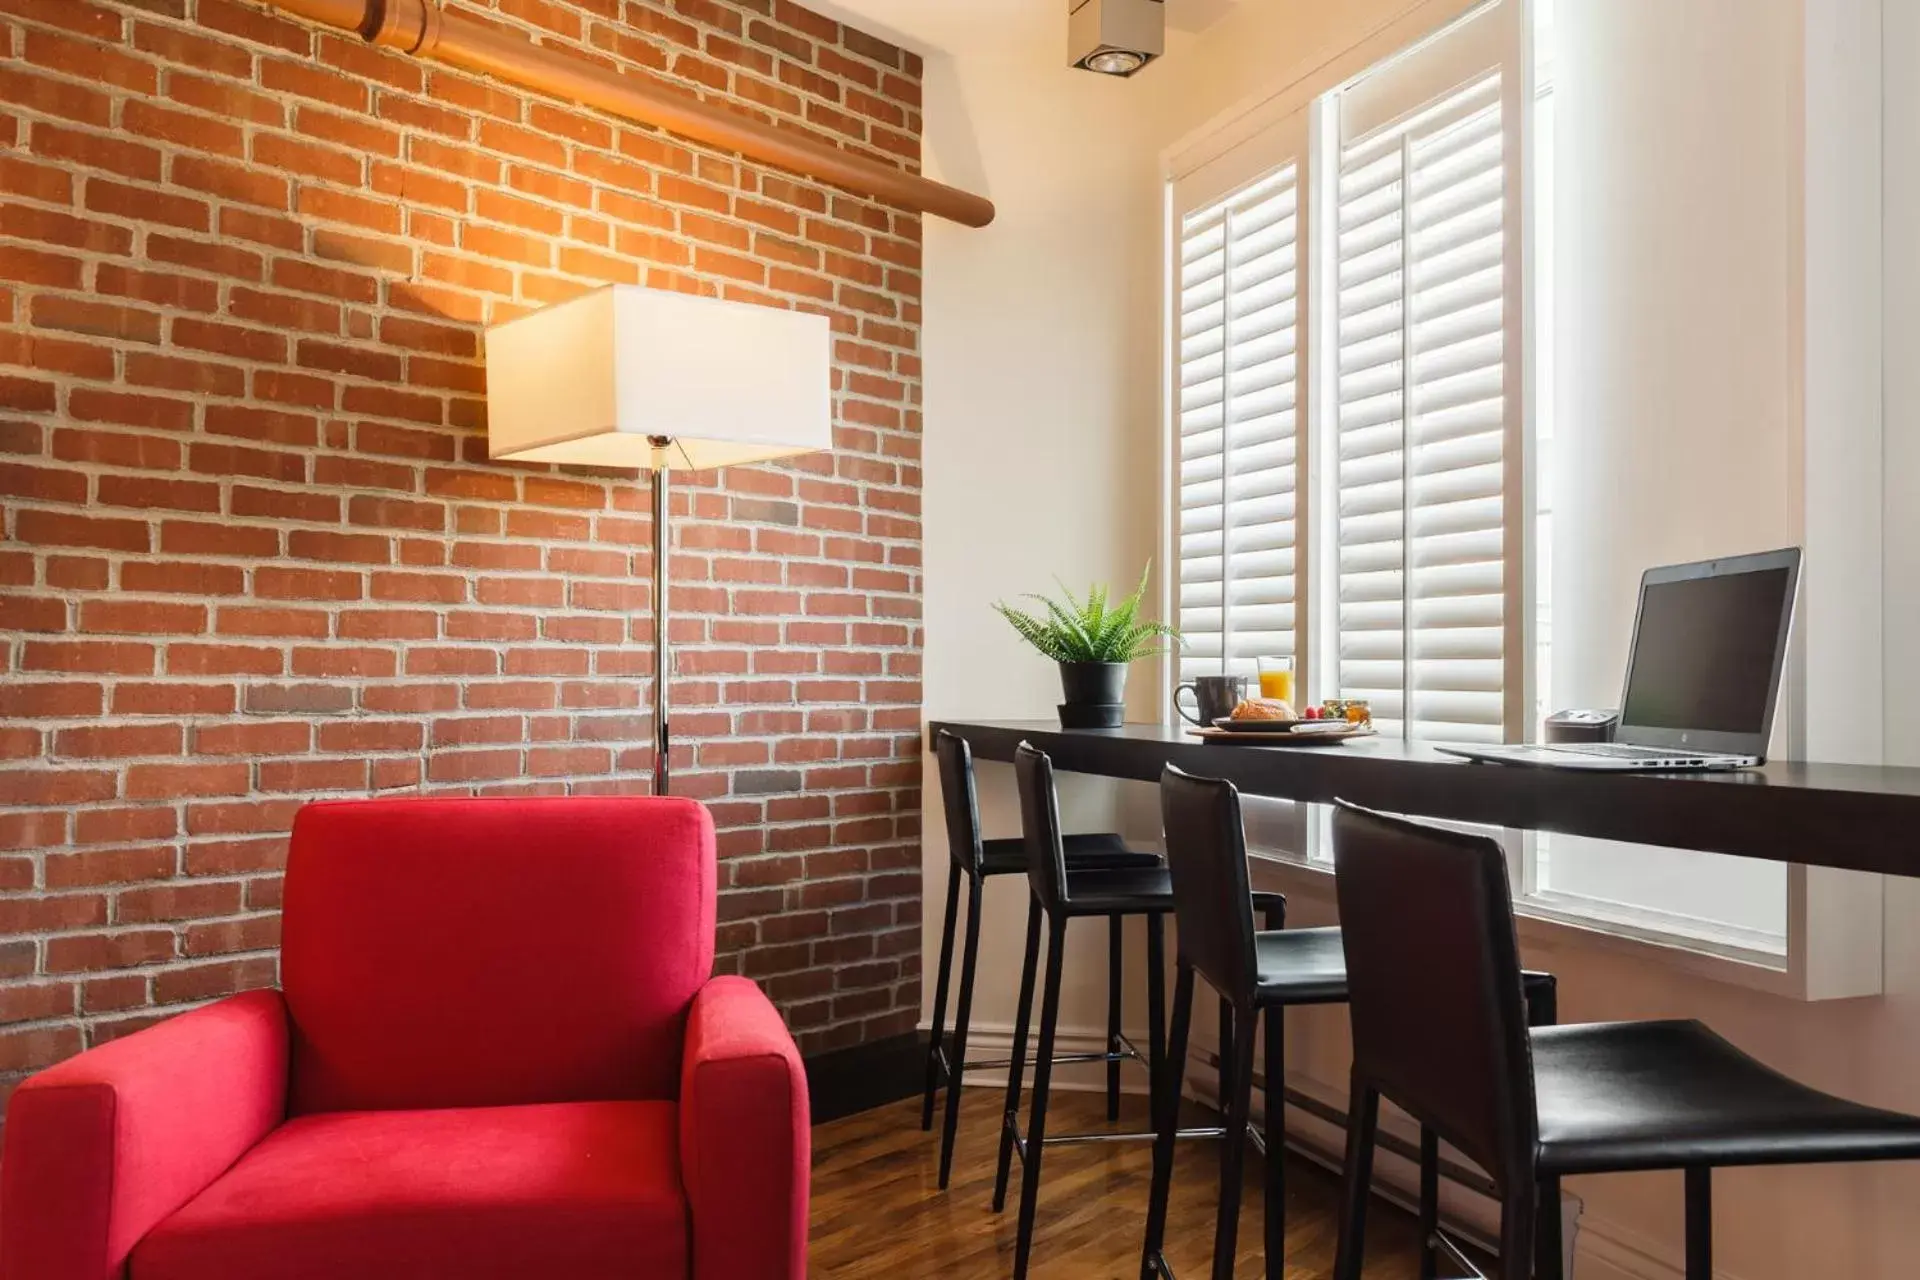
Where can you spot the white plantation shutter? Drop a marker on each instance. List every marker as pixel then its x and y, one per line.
pixel 1237 303
pixel 1425 434
pixel 1349 483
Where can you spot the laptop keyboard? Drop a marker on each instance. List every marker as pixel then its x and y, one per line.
pixel 1620 751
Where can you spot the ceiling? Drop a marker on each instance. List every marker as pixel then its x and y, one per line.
pixel 955 26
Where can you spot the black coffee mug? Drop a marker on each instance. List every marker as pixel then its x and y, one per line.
pixel 1214 698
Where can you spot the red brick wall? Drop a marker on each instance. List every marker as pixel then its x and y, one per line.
pixel 254 553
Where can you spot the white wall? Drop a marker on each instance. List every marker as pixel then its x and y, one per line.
pixel 1041 379
pixel 1677 408
pixel 1716 200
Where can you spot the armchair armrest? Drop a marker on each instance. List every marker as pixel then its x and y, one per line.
pixel 745 1144
pixel 103 1146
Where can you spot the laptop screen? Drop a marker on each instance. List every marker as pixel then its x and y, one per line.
pixel 1706 652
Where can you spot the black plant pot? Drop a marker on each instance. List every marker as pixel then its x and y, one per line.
pixel 1095 694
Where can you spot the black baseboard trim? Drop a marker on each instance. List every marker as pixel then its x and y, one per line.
pixel 844 1082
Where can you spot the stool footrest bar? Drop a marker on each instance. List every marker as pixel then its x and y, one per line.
pixel 1439 1240
pixel 1128 1054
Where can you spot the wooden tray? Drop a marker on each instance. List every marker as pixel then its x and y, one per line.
pixel 1283 737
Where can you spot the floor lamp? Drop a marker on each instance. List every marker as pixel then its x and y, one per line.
pixel 634 377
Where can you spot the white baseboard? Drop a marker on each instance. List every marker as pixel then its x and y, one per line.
pixel 1614 1251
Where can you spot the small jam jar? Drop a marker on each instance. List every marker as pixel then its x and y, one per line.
pixel 1359 711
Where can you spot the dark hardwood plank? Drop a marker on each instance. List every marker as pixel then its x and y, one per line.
pixel 877 1212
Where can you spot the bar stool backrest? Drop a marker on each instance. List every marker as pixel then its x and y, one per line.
pixel 1212 898
pixel 1433 981
pixel 1040 825
pixel 959 800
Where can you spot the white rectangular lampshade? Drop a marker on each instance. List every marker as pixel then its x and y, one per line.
pixel 596 380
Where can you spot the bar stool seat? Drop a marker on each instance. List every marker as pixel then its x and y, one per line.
pixel 1100 893
pixel 1626 1096
pixel 1098 850
pixel 1299 966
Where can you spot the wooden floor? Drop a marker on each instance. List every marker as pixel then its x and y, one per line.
pixel 877 1211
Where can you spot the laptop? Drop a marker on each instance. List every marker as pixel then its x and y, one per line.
pixel 1709 643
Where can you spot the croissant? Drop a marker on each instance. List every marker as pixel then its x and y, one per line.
pixel 1264 709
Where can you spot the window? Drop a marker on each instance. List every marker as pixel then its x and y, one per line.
pixel 1239 380
pixel 1350 441
pixel 1418 439
pixel 1361 319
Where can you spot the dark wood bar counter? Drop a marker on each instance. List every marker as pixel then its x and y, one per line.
pixel 1852 817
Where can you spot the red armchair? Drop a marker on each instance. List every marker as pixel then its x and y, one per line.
pixel 497 1053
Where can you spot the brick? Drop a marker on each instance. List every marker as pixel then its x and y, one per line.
pixel 222 660
pixel 262 228
pixel 106 995
pixel 118 826
pixel 183 578
pixel 265 425
pixel 206 981
pixel 219 258
pixel 33 266
pixel 307 584
pixel 174 781
pixel 110 866
pixel 153 904
pixel 92 404
pixel 223 98
pixel 55 97
pixel 220 937
pixel 230 340
pixel 231 181
pixel 159 288
pixel 183 129
pixel 115 155
pixel 157 493
pixel 283 311
pixel 305 80
pixel 27 222
pixel 142 617
pixel 173 698
pixel 35 181
pixel 358 211
pixel 46 913
pixel 31 1048
pixel 178 47
pixel 58 529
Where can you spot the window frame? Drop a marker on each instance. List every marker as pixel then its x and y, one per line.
pixel 1293 127
pixel 1824 912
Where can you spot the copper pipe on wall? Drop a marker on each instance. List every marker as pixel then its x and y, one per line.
pixel 424 29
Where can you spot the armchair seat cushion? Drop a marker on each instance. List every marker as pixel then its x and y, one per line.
pixel 585 1190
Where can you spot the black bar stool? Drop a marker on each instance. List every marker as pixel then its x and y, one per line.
pixel 1434 986
pixel 1061 894
pixel 974 859
pixel 1258 975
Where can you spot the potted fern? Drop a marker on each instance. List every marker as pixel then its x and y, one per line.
pixel 1093 640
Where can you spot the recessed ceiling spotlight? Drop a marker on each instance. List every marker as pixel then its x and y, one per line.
pixel 1115 37
pixel 1115 62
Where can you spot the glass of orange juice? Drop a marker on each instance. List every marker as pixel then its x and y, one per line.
pixel 1276 679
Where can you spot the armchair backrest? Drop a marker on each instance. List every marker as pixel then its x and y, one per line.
pixel 458 953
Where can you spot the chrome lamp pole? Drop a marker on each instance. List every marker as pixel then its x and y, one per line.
pixel 662 657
